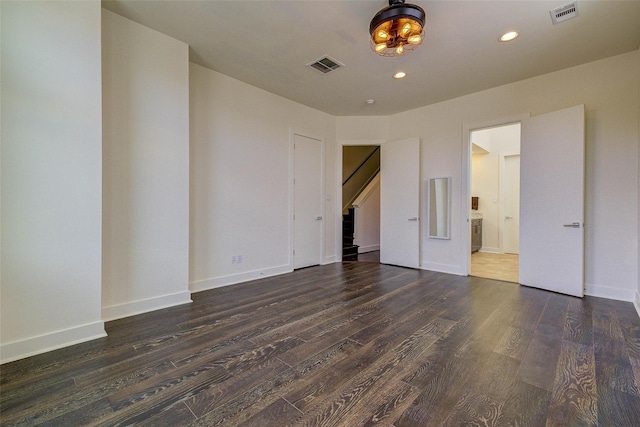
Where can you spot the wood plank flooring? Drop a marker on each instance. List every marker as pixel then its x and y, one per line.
pixel 490 265
pixel 352 344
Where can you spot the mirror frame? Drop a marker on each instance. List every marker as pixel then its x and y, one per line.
pixel 437 204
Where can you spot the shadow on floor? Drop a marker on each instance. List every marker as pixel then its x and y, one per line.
pixel 373 256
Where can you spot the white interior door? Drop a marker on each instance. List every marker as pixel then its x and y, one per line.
pixel 511 229
pixel 307 217
pixel 552 201
pixel 400 203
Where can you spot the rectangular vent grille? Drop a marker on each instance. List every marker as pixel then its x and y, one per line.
pixel 564 13
pixel 325 64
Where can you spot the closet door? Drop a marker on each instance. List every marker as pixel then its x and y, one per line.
pixel 307 195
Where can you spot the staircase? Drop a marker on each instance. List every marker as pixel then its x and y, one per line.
pixel 349 250
pixel 365 167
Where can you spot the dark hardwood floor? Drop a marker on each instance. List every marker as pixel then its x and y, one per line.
pixel 352 344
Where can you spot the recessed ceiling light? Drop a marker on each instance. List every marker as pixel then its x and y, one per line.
pixel 400 75
pixel 371 101
pixel 509 36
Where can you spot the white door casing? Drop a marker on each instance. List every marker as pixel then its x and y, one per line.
pixel 400 203
pixel 307 201
pixel 511 199
pixel 552 201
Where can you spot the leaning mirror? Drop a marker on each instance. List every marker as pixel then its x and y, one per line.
pixel 440 208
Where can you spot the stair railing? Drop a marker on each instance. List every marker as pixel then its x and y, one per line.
pixel 358 180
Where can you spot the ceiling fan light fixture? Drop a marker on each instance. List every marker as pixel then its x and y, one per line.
pixel 416 39
pixel 397 29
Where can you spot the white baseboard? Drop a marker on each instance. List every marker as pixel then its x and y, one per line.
pixel 490 250
pixel 370 248
pixel 443 268
pixel 144 306
pixel 329 260
pixel 217 282
pixel 52 341
pixel 610 292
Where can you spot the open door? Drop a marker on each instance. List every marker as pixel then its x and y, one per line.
pixel 552 201
pixel 400 203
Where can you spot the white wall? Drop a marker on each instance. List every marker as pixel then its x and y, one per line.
pixel 352 130
pixel 51 176
pixel 146 169
pixel 609 90
pixel 367 217
pixel 241 179
pixel 485 180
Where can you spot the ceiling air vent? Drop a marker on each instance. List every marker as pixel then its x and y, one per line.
pixel 325 64
pixel 564 13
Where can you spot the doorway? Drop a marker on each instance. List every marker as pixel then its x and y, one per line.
pixel 495 189
pixel 360 202
pixel 399 201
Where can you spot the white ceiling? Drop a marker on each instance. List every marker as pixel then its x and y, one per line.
pixel 269 43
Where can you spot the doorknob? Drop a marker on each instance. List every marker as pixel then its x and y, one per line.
pixel 572 225
pixel 415 218
pixel 508 217
pixel 318 218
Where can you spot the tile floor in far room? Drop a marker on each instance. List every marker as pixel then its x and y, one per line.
pixel 495 266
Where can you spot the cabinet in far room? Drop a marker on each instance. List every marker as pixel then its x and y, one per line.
pixel 476 234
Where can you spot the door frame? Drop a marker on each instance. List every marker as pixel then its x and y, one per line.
pixel 338 205
pixel 465 220
pixel 502 197
pixel 321 141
